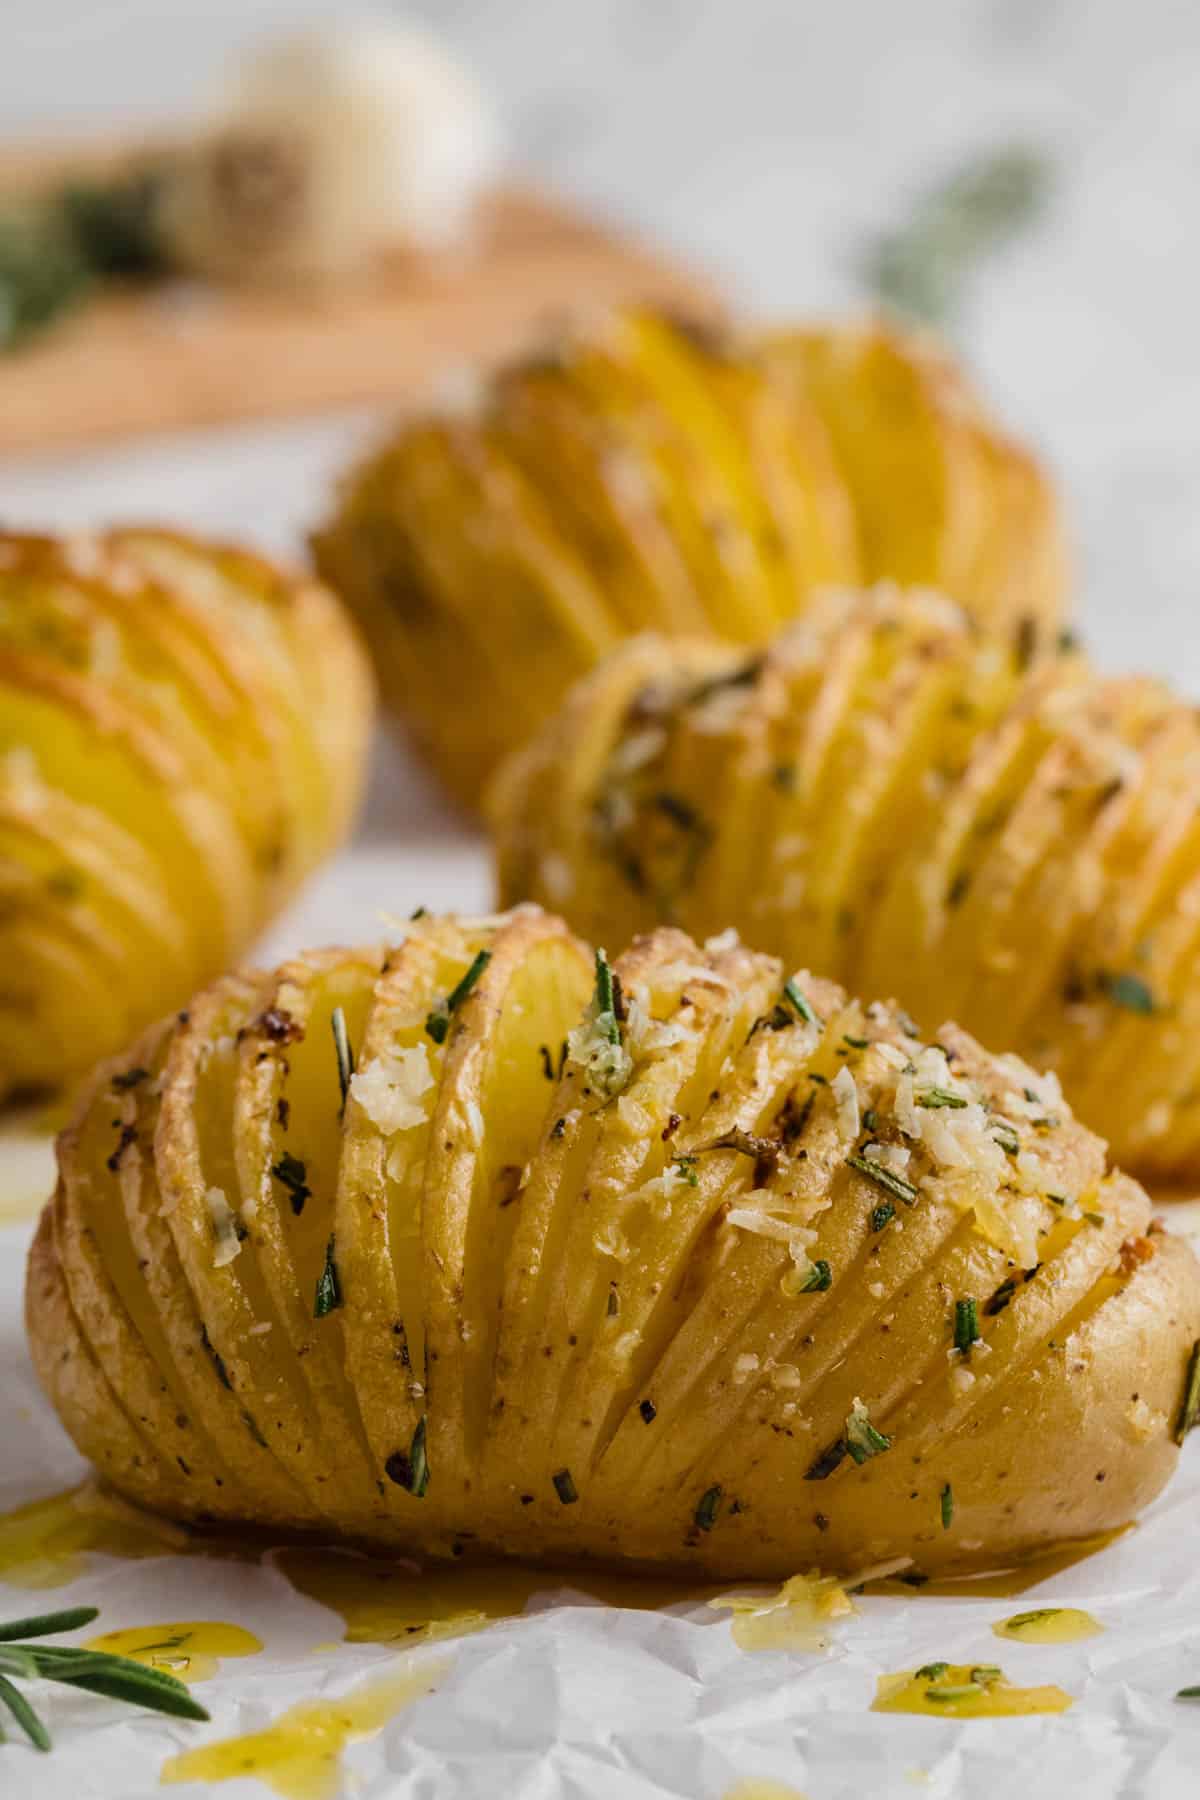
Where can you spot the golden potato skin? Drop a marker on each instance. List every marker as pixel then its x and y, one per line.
pixel 891 796
pixel 650 475
pixel 183 729
pixel 663 1274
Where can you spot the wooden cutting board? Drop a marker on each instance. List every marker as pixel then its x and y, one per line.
pixel 183 355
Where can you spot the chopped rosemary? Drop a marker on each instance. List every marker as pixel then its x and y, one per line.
pixel 564 1487
pixel 966 1323
pixel 98 1671
pixel 1189 1411
pixel 708 1507
pixel 604 1001
pixel 1188 1693
pixel 822 1467
pixel 946 1696
pixel 411 1471
pixel 129 1078
pixel 343 1052
pixel 685 1167
pixel 870 1119
pixel 437 1024
pixel 885 1178
pixel 947 1502
pixel 985 1673
pixel 818 1279
pixel 863 1441
pixel 856 1043
pixel 291 1173
pixel 880 1215
pixel 937 1096
pixel 796 997
pixel 1129 991
pixel 932 1671
pixel 1006 1137
pixel 329 1288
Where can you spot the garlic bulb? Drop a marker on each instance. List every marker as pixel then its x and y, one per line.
pixel 327 149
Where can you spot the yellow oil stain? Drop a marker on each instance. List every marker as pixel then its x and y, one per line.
pixel 1003 1584
pixel 964 1691
pixel 762 1790
pixel 385 1602
pixel 191 1651
pixel 299 1756
pixel 45 1543
pixel 1049 1625
pixel 796 1617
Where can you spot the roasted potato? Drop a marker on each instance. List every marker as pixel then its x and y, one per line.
pixel 182 737
pixel 895 798
pixel 477 1245
pixel 651 475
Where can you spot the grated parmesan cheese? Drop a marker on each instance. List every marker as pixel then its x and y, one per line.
pixel 225 1227
pixel 390 1089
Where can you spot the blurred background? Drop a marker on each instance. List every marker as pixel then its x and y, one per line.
pixel 774 144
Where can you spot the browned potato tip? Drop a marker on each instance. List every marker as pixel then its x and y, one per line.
pixel 649 475
pixel 483 1244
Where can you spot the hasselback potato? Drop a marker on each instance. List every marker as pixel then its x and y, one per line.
pixel 894 798
pixel 182 736
pixel 683 1260
pixel 650 475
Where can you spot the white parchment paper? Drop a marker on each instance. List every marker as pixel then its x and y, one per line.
pixel 580 1701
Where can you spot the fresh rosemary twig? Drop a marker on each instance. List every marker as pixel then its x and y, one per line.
pixel 99 1671
pixel 921 268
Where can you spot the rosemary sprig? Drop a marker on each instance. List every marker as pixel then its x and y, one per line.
pixel 885 1178
pixel 922 267
pixel 99 1671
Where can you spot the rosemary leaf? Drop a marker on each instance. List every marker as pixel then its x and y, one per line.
pixel 24 1714
pixel 42 1624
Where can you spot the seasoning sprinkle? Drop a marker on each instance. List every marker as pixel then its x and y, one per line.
pixel 329 1288
pixel 345 1056
pixel 863 1440
pixel 129 1078
pixel 564 1487
pixel 292 1174
pixel 1129 991
pixel 411 1471
pixel 966 1324
pixel 437 1023
pixel 799 1000
pixel 708 1507
pixel 885 1178
pixel 648 1411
